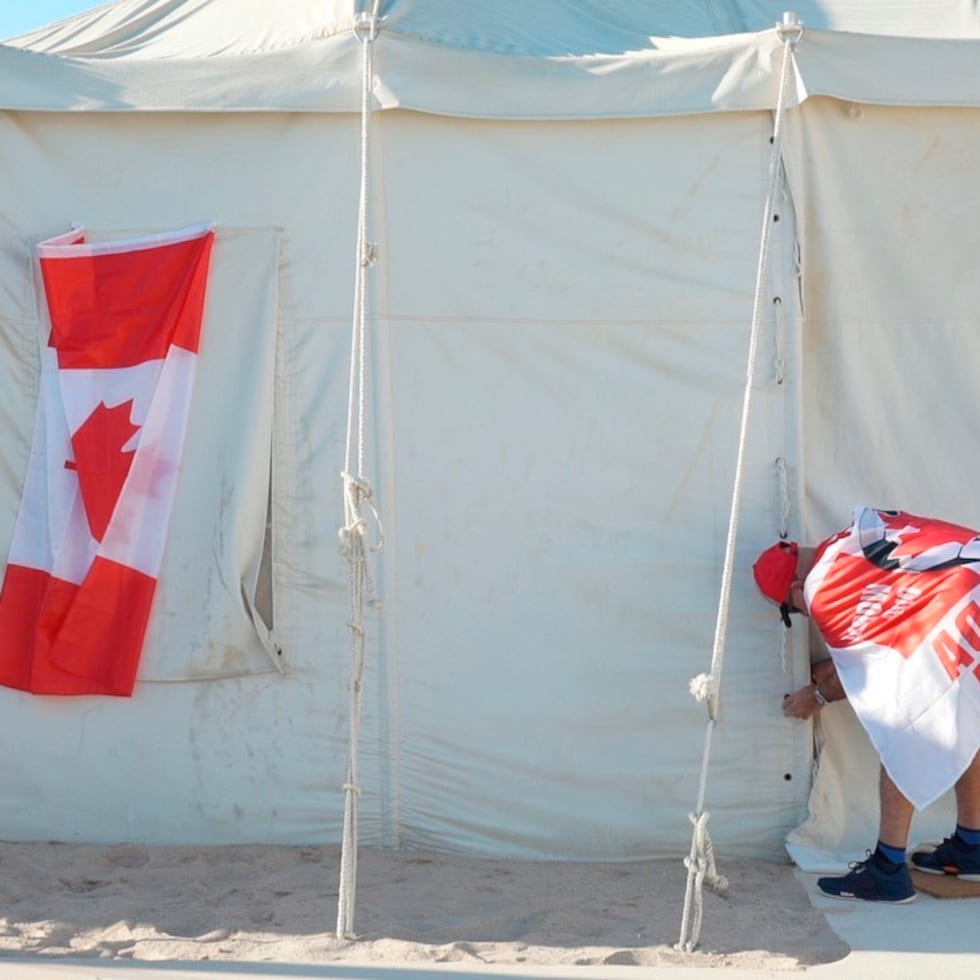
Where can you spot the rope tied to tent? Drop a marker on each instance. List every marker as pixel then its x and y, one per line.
pixel 703 869
pixel 704 686
pixel 785 509
pixel 700 861
pixel 357 489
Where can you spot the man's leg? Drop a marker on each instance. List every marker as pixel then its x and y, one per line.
pixel 959 854
pixel 896 815
pixel 968 796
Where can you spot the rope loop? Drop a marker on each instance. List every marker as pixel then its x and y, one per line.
pixel 785 506
pixel 779 355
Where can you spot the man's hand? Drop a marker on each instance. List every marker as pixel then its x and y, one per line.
pixel 802 704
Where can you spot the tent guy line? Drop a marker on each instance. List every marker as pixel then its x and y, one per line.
pixel 700 862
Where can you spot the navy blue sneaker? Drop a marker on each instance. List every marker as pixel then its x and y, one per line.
pixel 950 857
pixel 867 881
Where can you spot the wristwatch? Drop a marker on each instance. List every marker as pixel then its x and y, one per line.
pixel 818 696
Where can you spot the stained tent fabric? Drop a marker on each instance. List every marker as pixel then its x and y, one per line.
pixel 566 202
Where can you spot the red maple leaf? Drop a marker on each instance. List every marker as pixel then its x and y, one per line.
pixel 101 463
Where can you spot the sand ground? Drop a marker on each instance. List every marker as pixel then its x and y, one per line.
pixel 266 904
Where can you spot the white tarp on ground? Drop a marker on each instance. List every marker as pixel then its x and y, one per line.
pixel 568 231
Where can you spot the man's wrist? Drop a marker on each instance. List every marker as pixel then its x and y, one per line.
pixel 819 696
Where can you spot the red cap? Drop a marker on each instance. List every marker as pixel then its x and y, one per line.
pixel 774 572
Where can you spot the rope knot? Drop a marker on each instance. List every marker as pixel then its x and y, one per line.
pixel 703 686
pixel 357 484
pixel 351 531
pixel 356 491
pixel 698 864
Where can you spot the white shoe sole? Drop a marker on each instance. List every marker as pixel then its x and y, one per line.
pixel 874 901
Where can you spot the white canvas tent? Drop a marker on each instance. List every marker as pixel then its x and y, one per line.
pixel 566 199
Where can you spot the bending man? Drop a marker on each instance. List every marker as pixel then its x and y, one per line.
pixel 896 599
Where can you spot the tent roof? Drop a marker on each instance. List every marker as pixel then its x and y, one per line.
pixel 552 59
pixel 545 28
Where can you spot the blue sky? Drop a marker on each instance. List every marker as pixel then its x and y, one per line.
pixel 18 16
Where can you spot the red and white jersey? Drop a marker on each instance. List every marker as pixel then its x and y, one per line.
pixel 896 598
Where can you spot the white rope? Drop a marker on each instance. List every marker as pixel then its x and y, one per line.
pixel 785 506
pixel 703 871
pixel 785 510
pixel 700 861
pixel 357 490
pixel 779 359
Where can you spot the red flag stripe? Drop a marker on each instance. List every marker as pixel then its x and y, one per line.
pixel 79 641
pixel 112 308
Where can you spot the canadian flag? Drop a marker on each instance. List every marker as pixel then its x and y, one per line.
pixel 116 382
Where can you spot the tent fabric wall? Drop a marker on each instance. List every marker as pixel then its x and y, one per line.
pixel 190 758
pixel 568 237
pixel 560 406
pixel 889 227
pixel 559 371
